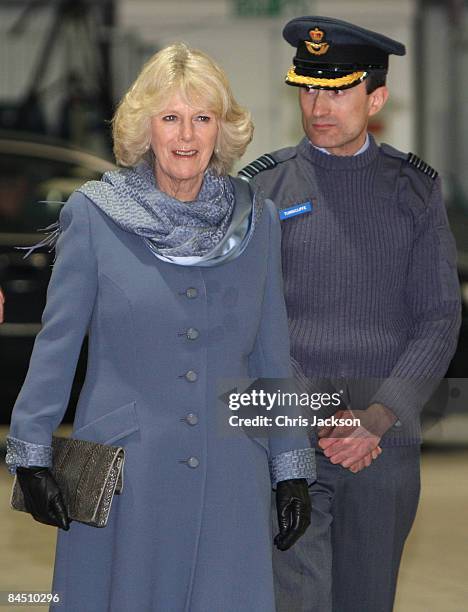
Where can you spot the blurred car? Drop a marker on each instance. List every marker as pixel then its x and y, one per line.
pixel 32 170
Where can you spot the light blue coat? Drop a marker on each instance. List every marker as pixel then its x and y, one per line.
pixel 191 529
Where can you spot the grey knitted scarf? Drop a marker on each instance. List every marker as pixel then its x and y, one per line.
pixel 130 196
pixel 213 229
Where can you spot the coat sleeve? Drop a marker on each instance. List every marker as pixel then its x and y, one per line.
pixel 291 455
pixel 71 293
pixel 433 294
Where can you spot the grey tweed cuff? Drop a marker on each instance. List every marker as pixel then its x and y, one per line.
pixel 299 463
pixel 24 454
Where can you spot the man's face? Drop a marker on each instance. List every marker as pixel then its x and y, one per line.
pixel 337 120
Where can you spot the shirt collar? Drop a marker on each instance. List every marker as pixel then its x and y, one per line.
pixel 364 147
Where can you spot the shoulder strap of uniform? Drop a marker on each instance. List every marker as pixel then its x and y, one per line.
pixel 258 165
pixel 416 161
pixel 267 161
pixel 411 159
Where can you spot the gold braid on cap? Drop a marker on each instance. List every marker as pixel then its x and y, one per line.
pixel 300 79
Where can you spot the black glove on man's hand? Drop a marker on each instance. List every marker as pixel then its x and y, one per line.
pixel 293 508
pixel 42 496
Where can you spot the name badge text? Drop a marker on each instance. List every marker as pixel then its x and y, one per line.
pixel 296 209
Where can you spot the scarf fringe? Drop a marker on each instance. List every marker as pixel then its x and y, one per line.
pixel 52 232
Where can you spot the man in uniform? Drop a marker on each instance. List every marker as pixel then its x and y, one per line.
pixel 373 300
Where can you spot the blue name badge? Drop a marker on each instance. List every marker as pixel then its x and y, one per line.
pixel 293 211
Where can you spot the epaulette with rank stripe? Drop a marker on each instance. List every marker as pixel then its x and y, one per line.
pixel 264 162
pixel 418 163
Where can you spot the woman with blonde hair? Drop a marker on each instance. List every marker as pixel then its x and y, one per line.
pixel 174 270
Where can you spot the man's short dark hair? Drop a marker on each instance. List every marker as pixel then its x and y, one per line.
pixel 376 79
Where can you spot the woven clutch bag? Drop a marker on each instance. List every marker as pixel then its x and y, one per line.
pixel 88 474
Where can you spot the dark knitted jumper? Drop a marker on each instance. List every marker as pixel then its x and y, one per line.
pixel 369 274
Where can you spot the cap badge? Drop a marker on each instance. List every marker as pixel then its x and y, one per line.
pixel 318 46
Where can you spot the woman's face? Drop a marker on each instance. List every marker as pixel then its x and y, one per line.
pixel 183 139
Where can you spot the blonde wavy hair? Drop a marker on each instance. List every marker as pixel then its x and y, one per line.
pixel 199 80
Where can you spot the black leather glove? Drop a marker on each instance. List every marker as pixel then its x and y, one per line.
pixel 293 508
pixel 42 496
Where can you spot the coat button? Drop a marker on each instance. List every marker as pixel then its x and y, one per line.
pixel 193 462
pixel 191 292
pixel 192 333
pixel 397 424
pixel 191 376
pixel 191 418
